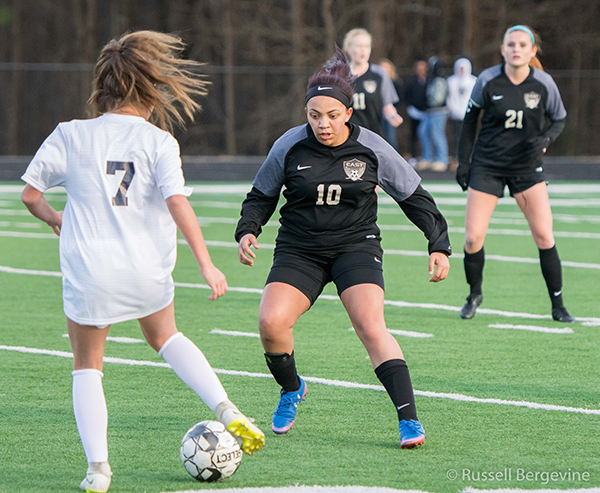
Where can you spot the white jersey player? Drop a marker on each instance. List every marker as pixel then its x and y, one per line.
pixel 118 232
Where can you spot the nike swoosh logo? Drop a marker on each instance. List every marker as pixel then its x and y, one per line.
pixel 400 407
pixel 322 88
pixel 377 260
pixel 496 98
pixel 303 167
pixel 558 293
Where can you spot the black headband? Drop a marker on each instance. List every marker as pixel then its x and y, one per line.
pixel 330 90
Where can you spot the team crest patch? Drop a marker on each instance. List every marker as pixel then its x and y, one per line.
pixel 370 86
pixel 354 169
pixel 532 99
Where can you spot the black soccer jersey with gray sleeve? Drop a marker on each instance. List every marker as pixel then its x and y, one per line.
pixel 372 91
pixel 514 115
pixel 331 203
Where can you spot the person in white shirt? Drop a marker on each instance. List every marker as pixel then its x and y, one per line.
pixel 118 233
pixel 460 86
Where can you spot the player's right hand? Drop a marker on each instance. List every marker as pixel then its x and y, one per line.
pixel 245 254
pixel 57 224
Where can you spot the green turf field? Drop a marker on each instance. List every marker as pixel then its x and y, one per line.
pixel 498 404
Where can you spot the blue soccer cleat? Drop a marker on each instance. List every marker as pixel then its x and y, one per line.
pixel 411 433
pixel 284 416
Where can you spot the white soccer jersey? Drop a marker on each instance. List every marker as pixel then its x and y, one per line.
pixel 118 241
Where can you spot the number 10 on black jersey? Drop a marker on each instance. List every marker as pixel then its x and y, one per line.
pixel 334 194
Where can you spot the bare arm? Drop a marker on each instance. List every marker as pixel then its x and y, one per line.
pixel 186 221
pixel 38 206
pixel 391 115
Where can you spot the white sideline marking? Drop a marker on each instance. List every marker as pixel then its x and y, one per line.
pixel 403 304
pixel 406 253
pixel 517 490
pixel 533 328
pixel 417 253
pixel 14 212
pixel 244 188
pixel 38 236
pixel 406 333
pixel 553 189
pixel 29 225
pixel 12 270
pixel 234 333
pixel 462 202
pixel 122 340
pixel 324 381
pixel 309 489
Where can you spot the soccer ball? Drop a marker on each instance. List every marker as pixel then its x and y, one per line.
pixel 209 452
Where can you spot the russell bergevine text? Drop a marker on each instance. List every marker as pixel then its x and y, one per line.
pixel 520 475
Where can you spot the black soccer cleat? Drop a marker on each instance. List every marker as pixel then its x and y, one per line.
pixel 468 311
pixel 562 315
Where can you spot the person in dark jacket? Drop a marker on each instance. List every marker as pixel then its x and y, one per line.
pixel 415 99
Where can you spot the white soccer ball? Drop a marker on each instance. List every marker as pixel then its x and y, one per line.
pixel 209 452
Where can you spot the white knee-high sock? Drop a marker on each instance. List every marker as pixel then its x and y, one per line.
pixel 90 413
pixel 193 368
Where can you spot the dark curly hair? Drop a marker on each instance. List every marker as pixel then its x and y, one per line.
pixel 336 71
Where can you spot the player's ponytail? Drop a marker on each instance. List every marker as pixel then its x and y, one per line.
pixel 335 71
pixel 143 69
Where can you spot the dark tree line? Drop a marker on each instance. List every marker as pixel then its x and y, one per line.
pixel 260 52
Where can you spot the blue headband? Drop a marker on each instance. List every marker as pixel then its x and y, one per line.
pixel 525 29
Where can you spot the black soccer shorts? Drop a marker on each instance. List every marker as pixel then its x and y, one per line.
pixel 310 272
pixel 492 182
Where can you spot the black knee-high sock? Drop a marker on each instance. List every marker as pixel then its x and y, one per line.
pixel 283 369
pixel 394 376
pixel 552 272
pixel 474 270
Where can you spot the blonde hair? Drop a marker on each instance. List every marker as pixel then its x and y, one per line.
pixel 350 35
pixel 393 71
pixel 143 69
pixel 535 62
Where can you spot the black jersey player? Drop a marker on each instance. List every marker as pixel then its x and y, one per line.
pixel 330 169
pixel 522 115
pixel 374 94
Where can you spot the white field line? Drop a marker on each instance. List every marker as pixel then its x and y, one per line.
pixel 14 212
pixel 554 202
pixel 308 489
pixel 234 333
pixel 417 253
pixel 243 188
pixel 374 489
pixel 21 225
pixel 35 236
pixel 270 246
pixel 405 333
pixel 538 490
pixel 553 189
pixel 533 328
pixel 402 304
pixel 122 340
pixel 324 381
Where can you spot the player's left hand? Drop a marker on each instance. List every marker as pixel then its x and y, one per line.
pixel 538 145
pixel 443 266
pixel 215 279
